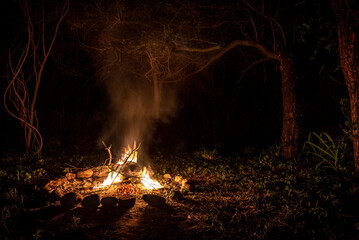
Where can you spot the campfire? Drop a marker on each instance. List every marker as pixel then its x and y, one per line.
pixel 127 168
pixel 124 176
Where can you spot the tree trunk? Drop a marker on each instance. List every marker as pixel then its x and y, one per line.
pixel 290 131
pixel 349 61
pixel 156 96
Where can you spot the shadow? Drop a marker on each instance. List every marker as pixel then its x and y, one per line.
pixel 156 223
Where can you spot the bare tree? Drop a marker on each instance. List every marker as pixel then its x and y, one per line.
pixel 26 71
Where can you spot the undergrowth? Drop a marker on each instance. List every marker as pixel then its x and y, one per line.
pixel 260 197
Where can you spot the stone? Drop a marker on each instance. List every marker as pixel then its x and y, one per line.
pixel 70 176
pixel 85 173
pixel 101 172
pixel 91 201
pixel 154 200
pixel 109 201
pixel 70 200
pixel 167 176
pixel 88 185
pixel 178 179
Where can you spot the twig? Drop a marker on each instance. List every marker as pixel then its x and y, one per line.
pixel 74 167
pixel 109 152
pixel 124 162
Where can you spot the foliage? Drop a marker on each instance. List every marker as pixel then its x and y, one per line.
pixel 329 152
pixel 261 197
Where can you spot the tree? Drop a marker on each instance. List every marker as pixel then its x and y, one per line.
pixel 171 42
pixel 347 28
pixel 26 70
pixel 139 51
pixel 256 24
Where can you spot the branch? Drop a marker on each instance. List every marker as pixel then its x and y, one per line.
pixel 252 65
pixel 265 51
pixel 200 50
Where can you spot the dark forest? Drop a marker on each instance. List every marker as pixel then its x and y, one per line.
pixel 179 119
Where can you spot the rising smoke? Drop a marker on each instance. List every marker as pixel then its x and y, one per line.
pixel 132 112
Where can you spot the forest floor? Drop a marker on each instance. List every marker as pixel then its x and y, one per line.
pixel 233 197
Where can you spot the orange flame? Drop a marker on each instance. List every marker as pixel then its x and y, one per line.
pixel 130 155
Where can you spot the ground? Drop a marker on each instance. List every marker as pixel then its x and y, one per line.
pixel 208 196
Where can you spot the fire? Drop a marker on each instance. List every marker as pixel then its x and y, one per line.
pixel 130 155
pixel 148 182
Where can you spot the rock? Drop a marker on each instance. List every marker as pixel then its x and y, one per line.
pixel 154 200
pixel 109 201
pixel 167 176
pixel 126 203
pixel 101 172
pixel 91 202
pixel 70 200
pixel 50 186
pixel 87 185
pixel 70 176
pixel 178 179
pixel 84 174
pixel 184 182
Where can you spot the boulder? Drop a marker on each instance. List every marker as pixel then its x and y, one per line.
pixel 109 201
pixel 154 200
pixel 70 200
pixel 91 201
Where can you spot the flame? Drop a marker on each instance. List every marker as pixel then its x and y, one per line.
pixel 130 155
pixel 148 182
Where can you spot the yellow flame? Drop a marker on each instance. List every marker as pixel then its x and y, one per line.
pixel 131 156
pixel 148 182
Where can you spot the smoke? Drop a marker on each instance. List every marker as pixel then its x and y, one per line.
pixel 131 112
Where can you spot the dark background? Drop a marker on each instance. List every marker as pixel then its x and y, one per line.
pixel 219 107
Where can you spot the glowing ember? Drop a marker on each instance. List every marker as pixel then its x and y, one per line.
pixel 130 155
pixel 148 182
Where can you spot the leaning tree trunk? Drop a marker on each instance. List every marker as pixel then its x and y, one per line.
pixel 349 61
pixel 290 132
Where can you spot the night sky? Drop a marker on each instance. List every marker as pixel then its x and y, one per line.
pixel 83 97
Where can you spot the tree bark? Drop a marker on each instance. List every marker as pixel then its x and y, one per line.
pixel 349 61
pixel 290 130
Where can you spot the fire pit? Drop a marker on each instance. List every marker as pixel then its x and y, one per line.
pixel 125 178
